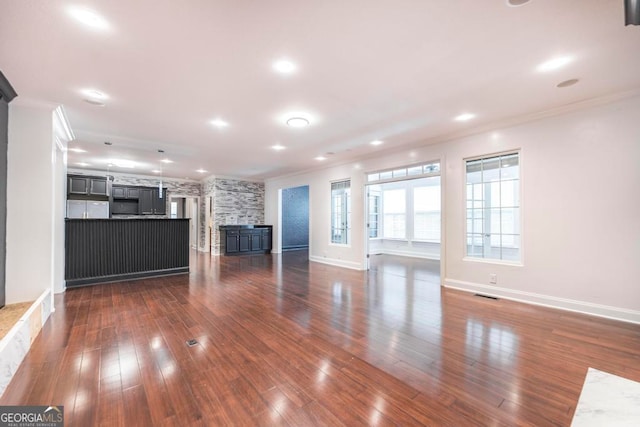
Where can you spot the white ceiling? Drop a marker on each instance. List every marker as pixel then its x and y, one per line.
pixel 398 71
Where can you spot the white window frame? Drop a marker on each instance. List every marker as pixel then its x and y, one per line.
pixel 345 215
pixel 472 258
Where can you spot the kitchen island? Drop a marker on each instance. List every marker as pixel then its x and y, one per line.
pixel 108 250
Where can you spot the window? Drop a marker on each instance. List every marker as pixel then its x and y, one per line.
pixel 341 212
pixel 398 174
pixel 374 215
pixel 394 208
pixel 426 212
pixel 493 207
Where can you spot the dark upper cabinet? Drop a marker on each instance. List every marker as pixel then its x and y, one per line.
pixel 145 201
pixel 98 187
pixel 87 185
pixel 150 203
pixel 119 192
pixel 132 193
pixel 77 185
pixel 127 193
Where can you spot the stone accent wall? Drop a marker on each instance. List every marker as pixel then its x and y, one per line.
pixel 234 202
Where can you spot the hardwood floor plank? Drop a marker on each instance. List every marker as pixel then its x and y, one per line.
pixel 286 342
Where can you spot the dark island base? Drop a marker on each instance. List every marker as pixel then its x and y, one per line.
pixel 76 283
pixel 109 250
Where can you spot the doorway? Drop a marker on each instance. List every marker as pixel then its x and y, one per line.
pixel 187 207
pixel 295 218
pixel 403 213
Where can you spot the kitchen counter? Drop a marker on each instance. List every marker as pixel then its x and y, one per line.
pixel 113 249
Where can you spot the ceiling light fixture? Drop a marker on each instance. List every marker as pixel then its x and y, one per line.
pixel 219 123
pixel 464 117
pixel 567 83
pixel 94 102
pixel 284 66
pixel 83 164
pixel 278 147
pixel 201 170
pixel 156 171
pixel 297 122
pixel 166 161
pixel 77 150
pixel 94 95
pixel 89 18
pixel 554 64
pixel 631 12
pixel 321 158
pixel 516 3
pixel 377 142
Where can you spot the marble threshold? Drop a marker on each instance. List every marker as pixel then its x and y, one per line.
pixel 607 400
pixel 17 342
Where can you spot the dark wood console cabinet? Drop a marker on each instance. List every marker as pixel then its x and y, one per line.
pixel 245 239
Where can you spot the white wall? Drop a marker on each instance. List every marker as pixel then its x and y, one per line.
pixel 33 215
pixel 580 207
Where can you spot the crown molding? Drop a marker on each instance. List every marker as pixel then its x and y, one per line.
pixel 6 90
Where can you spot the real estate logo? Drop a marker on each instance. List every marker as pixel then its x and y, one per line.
pixel 31 416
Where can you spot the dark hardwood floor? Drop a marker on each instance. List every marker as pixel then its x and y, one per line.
pixel 282 341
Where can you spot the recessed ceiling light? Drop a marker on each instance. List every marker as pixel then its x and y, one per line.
pixel 108 143
pixel 166 161
pixel 377 142
pixel 156 171
pixel 122 163
pixel 94 102
pixel 77 150
pixel 567 83
pixel 516 3
pixel 321 158
pixel 464 117
pixel 284 66
pixel 83 164
pixel 278 147
pixel 297 122
pixel 201 170
pixel 554 64
pixel 89 18
pixel 94 95
pixel 219 123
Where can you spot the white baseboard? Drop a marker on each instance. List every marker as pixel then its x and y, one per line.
pixel 584 307
pixel 406 254
pixel 337 262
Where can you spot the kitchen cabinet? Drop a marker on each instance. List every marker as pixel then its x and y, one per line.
pixel 125 193
pixel 245 239
pixel 150 202
pixel 81 185
pixel 232 243
pixel 87 209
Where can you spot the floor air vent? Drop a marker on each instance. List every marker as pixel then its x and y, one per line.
pixel 192 342
pixel 486 296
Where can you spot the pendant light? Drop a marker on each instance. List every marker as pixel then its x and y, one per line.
pixel 160 184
